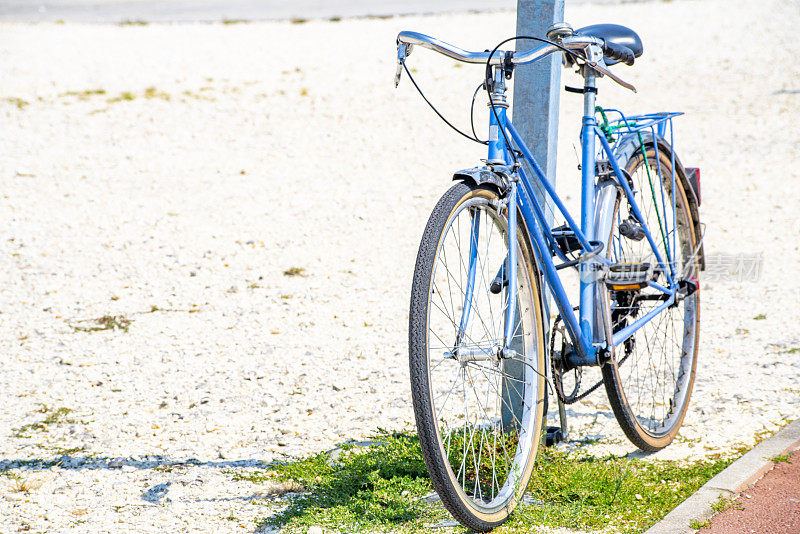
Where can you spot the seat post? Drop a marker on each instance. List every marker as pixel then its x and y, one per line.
pixel 589 92
pixel 587 200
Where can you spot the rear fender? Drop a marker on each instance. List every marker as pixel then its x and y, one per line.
pixel 628 146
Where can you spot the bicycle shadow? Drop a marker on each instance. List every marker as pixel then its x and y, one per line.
pixel 117 463
pixel 597 421
pixel 160 491
pixel 345 489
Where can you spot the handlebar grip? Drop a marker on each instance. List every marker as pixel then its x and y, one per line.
pixel 618 52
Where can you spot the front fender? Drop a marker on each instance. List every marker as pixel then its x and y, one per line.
pixel 484 176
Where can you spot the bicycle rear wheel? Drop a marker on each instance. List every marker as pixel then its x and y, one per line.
pixel 478 415
pixel 649 382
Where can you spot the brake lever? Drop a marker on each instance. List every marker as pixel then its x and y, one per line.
pixel 603 70
pixel 403 51
pixel 593 58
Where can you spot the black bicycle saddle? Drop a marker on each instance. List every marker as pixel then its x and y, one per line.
pixel 615 35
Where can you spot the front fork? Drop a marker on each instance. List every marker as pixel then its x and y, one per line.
pixel 475 229
pixel 498 155
pixel 508 270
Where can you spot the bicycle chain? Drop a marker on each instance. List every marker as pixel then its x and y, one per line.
pixel 573 397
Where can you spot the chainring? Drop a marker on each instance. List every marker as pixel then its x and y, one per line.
pixel 563 374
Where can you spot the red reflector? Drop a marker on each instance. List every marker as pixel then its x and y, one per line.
pixel 693 174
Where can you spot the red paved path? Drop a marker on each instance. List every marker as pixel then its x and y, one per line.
pixel 771 506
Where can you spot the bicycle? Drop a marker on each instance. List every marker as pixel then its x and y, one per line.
pixel 477 349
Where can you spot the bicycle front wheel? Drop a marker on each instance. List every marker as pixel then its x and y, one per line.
pixel 650 381
pixel 478 414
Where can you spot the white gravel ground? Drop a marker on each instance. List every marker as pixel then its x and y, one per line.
pixel 251 149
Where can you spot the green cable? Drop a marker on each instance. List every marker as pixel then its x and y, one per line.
pixel 607 130
pixel 653 194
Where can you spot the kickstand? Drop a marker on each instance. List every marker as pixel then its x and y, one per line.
pixel 558 434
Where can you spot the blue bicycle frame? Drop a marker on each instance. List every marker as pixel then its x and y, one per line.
pixel 590 344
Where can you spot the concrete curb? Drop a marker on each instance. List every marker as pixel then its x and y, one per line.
pixel 735 478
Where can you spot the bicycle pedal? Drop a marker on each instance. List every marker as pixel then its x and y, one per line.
pixel 500 280
pixel 629 276
pixel 553 435
pixel 565 239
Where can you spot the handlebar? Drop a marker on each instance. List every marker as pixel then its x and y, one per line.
pixel 582 45
pixel 454 52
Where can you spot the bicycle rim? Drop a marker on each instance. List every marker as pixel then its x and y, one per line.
pixel 649 383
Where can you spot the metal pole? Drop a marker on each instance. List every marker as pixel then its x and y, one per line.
pixel 535 115
pixel 537 86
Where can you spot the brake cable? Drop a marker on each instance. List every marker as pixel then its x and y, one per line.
pixel 471 138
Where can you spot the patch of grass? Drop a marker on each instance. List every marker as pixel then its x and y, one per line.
pixel 782 458
pixel 19 102
pixel 294 271
pixel 106 322
pixel 20 484
pixel 59 451
pixel 721 504
pixel 256 477
pixel 169 468
pixel 625 495
pixel 760 317
pixel 152 92
pixel 53 417
pixel 84 95
pixel 235 21
pixel 127 96
pixel 274 485
pixel 793 350
pixel 696 524
pixel 298 20
pixel 128 22
pixel 381 488
pixel 364 489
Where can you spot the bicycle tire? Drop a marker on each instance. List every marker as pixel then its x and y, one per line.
pixel 657 378
pixel 464 489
